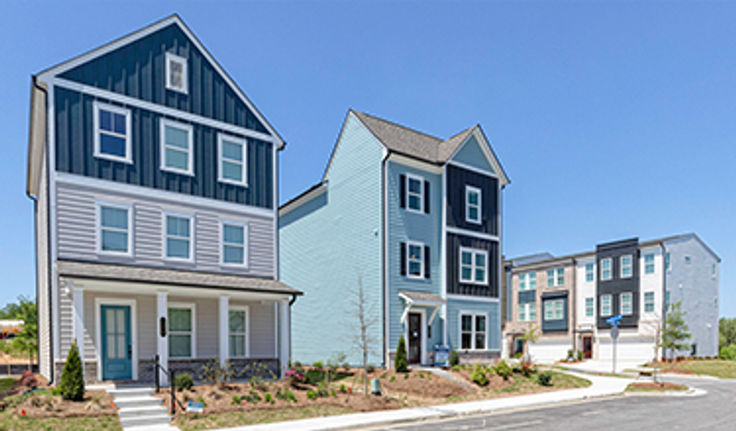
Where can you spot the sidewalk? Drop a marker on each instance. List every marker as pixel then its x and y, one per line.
pixel 600 387
pixel 602 366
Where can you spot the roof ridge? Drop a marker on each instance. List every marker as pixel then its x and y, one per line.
pixel 399 125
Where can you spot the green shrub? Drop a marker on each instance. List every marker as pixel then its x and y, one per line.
pixel 343 389
pixel 322 390
pixel 346 366
pixel 479 376
pixel 581 355
pixel 333 393
pixel 235 400
pixel 392 379
pixel 72 379
pixel 728 352
pixel 454 358
pixel 406 376
pixel 314 377
pixel 268 397
pixel 570 355
pixel 285 395
pixel 183 381
pixel 503 369
pixel 456 368
pixel 318 365
pixel 312 395
pixel 370 368
pixel 401 363
pixel 253 397
pixel 544 378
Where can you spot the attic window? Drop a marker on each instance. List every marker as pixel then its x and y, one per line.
pixel 176 73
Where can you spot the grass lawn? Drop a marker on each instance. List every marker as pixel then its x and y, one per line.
pixel 714 367
pixel 654 387
pixel 231 419
pixel 5 385
pixel 13 422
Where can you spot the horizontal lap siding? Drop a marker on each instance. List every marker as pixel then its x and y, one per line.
pixel 492 309
pixel 76 211
pixel 75 154
pixel 262 330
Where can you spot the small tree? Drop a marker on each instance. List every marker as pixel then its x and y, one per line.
pixel 400 361
pixel 530 335
pixel 726 332
pixel 675 331
pixel 26 340
pixel 72 379
pixel 363 341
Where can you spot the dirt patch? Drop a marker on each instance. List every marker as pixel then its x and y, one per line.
pixel 651 386
pixel 494 381
pixel 421 383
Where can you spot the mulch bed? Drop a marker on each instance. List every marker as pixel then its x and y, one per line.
pixel 421 383
pixel 664 386
pixel 494 382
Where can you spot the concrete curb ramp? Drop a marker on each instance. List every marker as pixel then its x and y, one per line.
pixel 600 387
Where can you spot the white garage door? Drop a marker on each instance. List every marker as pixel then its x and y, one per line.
pixel 639 351
pixel 548 352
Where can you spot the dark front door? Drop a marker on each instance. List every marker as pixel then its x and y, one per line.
pixel 588 347
pixel 518 346
pixel 415 338
pixel 116 342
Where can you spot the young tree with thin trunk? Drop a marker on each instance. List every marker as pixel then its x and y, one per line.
pixel 530 335
pixel 363 340
pixel 675 331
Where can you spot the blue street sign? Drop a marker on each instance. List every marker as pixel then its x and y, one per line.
pixel 614 320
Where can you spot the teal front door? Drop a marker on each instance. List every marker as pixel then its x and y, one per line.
pixel 116 342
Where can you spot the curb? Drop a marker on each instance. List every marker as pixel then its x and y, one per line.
pixel 692 392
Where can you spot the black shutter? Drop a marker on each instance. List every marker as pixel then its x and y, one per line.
pixel 426 197
pixel 427 260
pixel 403 258
pixel 402 191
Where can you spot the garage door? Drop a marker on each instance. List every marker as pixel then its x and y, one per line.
pixel 628 350
pixel 548 352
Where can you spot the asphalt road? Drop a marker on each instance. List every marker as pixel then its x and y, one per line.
pixel 714 411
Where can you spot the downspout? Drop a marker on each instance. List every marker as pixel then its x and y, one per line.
pixel 293 299
pixel 384 255
pixel 574 320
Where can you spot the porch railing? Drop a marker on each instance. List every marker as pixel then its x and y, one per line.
pixel 156 367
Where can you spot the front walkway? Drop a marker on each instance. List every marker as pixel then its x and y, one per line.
pixel 600 387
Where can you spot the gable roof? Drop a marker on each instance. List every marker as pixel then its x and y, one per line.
pixel 422 146
pixel 139 34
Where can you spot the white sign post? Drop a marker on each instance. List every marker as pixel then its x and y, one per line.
pixel 614 337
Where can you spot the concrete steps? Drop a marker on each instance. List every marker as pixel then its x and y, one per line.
pixel 139 410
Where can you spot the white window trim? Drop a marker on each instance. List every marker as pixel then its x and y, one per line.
pixel 128 132
pixel 421 245
pixel 421 193
pixel 610 305
pixel 468 190
pixel 527 311
pixel 99 302
pixel 246 309
pixel 585 306
pixel 98 224
pixel 246 242
pixel 165 122
pixel 610 269
pixel 592 272
pixel 460 315
pixel 654 268
pixel 184 76
pixel 193 345
pixel 621 303
pixel 165 234
pixel 522 279
pixel 644 302
pixel 529 279
pixel 621 265
pixel 551 302
pixel 555 277
pixel 244 164
pixel 474 252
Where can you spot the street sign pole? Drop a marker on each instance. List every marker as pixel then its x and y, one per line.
pixel 614 322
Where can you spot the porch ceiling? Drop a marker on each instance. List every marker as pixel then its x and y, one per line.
pixel 172 278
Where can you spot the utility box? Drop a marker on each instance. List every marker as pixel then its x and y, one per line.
pixel 375 386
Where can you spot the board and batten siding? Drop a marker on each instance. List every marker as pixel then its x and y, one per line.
pixel 457 180
pixel 454 285
pixel 138 70
pixel 326 251
pixel 74 139
pixel 77 231
pixel 403 226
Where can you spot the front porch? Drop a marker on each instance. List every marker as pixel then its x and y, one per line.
pixel 125 324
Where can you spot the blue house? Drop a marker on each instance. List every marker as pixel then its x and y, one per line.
pixel 154 185
pixel 414 223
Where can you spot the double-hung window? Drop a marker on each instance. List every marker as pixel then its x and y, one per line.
pixel 234 247
pixel 589 307
pixel 522 281
pixel 667 261
pixel 178 236
pixel 606 272
pixel 182 341
pixel 415 259
pixel 649 302
pixel 112 130
pixel 554 309
pixel 626 266
pixel 589 272
pixel 232 158
pixel 473 266
pixel 472 331
pixel 415 193
pixel 472 204
pixel 649 263
pixel 528 281
pixel 626 306
pixel 555 277
pixel 606 308
pixel 177 142
pixel 238 332
pixel 528 312
pixel 114 234
pixel 177 78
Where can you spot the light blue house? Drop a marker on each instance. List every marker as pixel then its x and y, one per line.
pixel 413 221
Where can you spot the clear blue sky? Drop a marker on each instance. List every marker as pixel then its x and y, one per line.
pixel 612 120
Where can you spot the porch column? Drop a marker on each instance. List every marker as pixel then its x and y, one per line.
pixel 78 324
pixel 284 329
pixel 223 328
pixel 162 339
